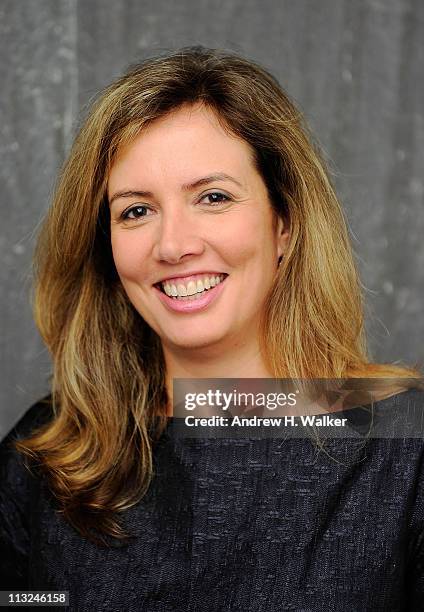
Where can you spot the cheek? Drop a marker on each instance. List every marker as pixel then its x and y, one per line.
pixel 254 243
pixel 128 255
pixel 242 239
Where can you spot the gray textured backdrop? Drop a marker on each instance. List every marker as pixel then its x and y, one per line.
pixel 355 67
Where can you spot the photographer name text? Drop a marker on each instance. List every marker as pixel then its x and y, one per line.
pixel 255 421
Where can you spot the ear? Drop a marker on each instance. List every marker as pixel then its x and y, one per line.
pixel 283 235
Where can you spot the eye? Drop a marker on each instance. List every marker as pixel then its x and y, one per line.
pixel 135 212
pixel 216 197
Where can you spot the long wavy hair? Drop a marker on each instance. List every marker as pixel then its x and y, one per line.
pixel 108 385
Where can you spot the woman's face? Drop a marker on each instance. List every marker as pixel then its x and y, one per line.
pixel 190 215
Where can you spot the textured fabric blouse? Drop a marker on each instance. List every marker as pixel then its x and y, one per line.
pixel 236 524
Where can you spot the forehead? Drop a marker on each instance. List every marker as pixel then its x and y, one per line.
pixel 186 140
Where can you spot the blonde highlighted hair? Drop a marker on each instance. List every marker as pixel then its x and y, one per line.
pixel 108 386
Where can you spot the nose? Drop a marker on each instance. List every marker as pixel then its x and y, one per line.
pixel 178 237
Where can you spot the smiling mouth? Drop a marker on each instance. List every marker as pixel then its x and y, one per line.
pixel 191 290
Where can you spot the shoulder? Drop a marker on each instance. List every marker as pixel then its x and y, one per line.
pixel 406 412
pixel 14 473
pixel 13 470
pixel 18 491
pixel 35 416
pixel 402 414
pixel 404 398
pixel 392 415
pixel 400 421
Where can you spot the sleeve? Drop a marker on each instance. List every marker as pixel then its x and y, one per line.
pixel 17 488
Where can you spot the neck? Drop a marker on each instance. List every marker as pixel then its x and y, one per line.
pixel 241 362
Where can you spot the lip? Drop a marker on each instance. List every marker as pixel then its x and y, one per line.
pixel 187 276
pixel 189 306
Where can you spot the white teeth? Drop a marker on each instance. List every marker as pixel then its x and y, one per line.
pixel 170 290
pixel 193 289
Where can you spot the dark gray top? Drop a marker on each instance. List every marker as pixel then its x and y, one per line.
pixel 236 524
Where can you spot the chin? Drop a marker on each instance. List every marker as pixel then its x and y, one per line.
pixel 193 341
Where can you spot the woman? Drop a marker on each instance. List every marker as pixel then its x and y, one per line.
pixel 195 233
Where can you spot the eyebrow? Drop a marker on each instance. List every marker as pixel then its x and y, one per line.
pixel 205 180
